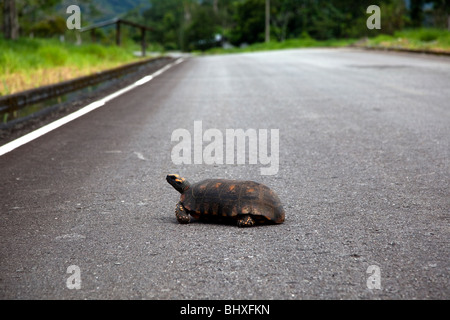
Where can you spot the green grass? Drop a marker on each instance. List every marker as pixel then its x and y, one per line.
pixel 414 39
pixel 26 54
pixel 418 39
pixel 304 42
pixel 26 63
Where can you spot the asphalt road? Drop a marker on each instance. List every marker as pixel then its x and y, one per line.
pixel 364 176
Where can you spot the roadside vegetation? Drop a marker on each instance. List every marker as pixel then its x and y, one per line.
pixel 303 42
pixel 430 39
pixel 422 39
pixel 28 63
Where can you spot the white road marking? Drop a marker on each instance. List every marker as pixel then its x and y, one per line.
pixel 90 107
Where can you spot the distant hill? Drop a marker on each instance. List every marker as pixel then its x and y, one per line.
pixel 100 10
pixel 117 8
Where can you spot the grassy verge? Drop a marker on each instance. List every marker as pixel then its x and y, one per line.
pixel 304 42
pixel 433 40
pixel 29 63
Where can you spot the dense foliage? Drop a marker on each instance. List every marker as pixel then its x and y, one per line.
pixel 201 24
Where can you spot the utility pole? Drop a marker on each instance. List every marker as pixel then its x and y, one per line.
pixel 267 20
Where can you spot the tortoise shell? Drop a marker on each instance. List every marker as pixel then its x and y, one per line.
pixel 220 199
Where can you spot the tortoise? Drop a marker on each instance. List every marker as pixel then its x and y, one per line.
pixel 219 200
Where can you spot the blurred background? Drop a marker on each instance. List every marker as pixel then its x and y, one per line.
pixel 37 48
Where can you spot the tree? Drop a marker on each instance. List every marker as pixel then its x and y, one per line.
pixel 10 20
pixel 249 21
pixel 394 16
pixel 282 12
pixel 167 18
pixel 416 12
pixel 441 13
pixel 267 24
pixel 201 29
pixel 36 13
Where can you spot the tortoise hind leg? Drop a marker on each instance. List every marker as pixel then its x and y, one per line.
pixel 181 214
pixel 246 221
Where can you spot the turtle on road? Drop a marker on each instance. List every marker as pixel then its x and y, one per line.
pixel 220 200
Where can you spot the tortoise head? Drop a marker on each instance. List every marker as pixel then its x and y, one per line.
pixel 180 184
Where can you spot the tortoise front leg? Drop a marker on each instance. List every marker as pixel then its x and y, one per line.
pixel 246 221
pixel 181 214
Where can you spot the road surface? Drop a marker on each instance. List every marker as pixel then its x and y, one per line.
pixel 364 176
